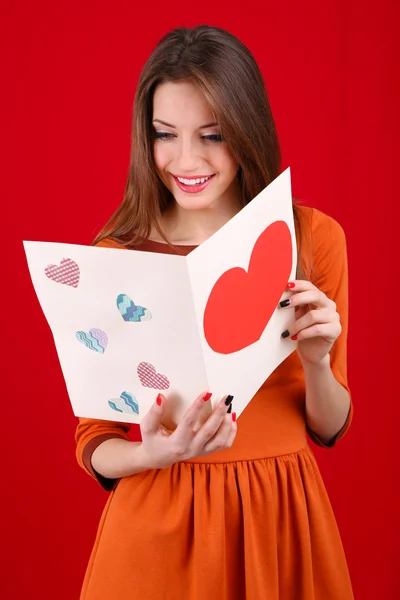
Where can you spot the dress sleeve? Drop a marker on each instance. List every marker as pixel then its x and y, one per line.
pixel 329 273
pixel 90 433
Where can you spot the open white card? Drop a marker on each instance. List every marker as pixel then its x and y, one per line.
pixel 128 324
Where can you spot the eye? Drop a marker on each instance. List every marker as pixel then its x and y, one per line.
pixel 213 137
pixel 162 135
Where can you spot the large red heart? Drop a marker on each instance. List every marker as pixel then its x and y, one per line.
pixel 241 303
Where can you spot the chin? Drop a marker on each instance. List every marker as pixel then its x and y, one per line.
pixel 189 202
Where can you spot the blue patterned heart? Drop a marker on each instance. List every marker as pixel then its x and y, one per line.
pixel 94 339
pixel 126 403
pixel 130 311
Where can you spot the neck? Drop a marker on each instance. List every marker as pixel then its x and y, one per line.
pixel 193 227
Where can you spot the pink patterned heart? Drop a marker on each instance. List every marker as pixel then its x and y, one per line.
pixel 67 273
pixel 150 378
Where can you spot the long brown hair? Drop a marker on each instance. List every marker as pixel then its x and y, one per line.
pixel 227 74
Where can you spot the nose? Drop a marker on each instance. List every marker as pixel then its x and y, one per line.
pixel 188 158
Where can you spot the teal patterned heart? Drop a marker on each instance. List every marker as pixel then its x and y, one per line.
pixel 126 403
pixel 94 339
pixel 130 311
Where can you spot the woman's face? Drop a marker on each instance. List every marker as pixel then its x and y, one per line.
pixel 191 159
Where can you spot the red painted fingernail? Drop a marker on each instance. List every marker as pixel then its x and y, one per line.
pixel 290 285
pixel 234 417
pixel 207 396
pixel 159 399
pixel 294 337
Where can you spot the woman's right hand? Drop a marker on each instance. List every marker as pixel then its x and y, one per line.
pixel 160 448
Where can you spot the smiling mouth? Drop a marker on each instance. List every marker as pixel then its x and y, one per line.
pixel 193 184
pixel 193 180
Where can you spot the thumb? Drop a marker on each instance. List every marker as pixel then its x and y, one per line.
pixel 152 419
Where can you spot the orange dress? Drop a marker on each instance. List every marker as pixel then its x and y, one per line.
pixel 250 523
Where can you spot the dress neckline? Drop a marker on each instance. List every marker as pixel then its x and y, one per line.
pixel 149 241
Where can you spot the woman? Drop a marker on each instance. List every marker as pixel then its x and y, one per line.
pixel 222 510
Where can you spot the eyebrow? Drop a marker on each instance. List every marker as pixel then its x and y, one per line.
pixel 212 124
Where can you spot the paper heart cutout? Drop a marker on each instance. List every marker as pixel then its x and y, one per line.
pixel 126 403
pixel 94 339
pixel 150 378
pixel 241 302
pixel 130 311
pixel 67 272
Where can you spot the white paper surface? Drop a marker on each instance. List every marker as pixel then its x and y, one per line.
pixel 242 373
pixel 174 290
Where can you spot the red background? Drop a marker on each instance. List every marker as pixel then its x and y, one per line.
pixel 69 71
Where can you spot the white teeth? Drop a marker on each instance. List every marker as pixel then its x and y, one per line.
pixel 193 181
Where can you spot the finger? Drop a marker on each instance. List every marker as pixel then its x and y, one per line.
pixel 211 426
pixel 220 438
pixel 232 435
pixel 312 317
pixel 185 430
pixel 329 331
pixel 300 311
pixel 152 419
pixel 308 297
pixel 300 285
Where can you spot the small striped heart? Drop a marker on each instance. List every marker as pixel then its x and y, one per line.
pixel 67 272
pixel 130 311
pixel 126 403
pixel 94 339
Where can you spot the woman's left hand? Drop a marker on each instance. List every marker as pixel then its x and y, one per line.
pixel 317 324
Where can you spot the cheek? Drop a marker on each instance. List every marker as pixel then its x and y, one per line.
pixel 160 155
pixel 227 162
